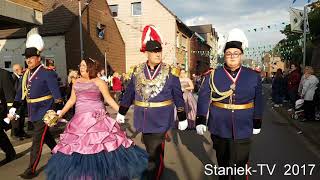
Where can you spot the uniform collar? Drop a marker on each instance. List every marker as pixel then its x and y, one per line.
pixel 34 69
pixel 155 67
pixel 232 73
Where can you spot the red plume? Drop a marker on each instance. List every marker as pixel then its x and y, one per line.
pixel 149 33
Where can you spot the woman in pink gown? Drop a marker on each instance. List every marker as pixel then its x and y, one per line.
pixel 93 147
pixel 189 101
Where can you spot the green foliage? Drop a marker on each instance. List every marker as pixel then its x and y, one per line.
pixel 290 48
pixel 314 21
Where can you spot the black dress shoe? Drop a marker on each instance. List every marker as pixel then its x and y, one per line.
pixel 28 174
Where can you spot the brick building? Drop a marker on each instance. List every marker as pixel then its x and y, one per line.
pixel 60 31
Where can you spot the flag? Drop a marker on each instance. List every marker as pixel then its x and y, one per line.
pixel 294 1
pixel 296 20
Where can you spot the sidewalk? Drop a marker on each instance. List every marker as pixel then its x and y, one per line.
pixel 309 129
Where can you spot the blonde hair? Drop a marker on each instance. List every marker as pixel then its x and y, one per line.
pixel 115 74
pixel 72 74
pixel 183 73
pixel 309 70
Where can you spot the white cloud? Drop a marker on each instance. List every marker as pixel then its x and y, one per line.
pixel 196 21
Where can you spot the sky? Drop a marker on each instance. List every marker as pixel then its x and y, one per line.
pixel 225 15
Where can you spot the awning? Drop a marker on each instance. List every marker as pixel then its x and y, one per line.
pixel 20 13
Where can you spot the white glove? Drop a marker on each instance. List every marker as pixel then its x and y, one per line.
pixel 183 125
pixel 12 112
pixel 120 118
pixel 201 129
pixel 256 131
pixel 58 112
pixel 7 120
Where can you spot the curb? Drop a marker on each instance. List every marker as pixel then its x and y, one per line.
pixel 304 131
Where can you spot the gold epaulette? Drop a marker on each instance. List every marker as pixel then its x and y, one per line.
pixel 209 71
pixel 131 70
pixel 175 71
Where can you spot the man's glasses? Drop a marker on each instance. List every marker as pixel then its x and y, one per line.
pixel 230 55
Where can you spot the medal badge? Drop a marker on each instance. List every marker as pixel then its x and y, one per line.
pixel 150 87
pixel 233 87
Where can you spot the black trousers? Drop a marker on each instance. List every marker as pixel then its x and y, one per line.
pixel 154 143
pixel 293 95
pixel 6 145
pixel 18 125
pixel 309 110
pixel 41 135
pixel 231 152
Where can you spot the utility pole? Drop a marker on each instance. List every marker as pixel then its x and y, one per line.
pixel 305 16
pixel 80 29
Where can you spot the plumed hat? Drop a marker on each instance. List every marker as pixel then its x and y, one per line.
pixel 150 33
pixel 34 45
pixel 236 39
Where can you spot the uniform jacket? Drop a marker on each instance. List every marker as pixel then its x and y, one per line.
pixel 6 96
pixel 223 122
pixel 43 82
pixel 160 119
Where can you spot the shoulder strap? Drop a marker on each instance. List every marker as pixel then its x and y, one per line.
pixel 24 84
pixel 214 89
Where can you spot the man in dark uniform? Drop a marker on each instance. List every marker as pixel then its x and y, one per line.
pixel 40 89
pixel 18 125
pixel 6 95
pixel 154 89
pixel 233 96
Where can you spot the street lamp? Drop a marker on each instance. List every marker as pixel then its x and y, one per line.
pixel 305 18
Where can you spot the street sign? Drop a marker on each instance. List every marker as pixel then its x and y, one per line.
pixel 296 20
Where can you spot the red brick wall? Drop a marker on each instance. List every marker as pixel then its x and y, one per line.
pixel 196 45
pixel 112 44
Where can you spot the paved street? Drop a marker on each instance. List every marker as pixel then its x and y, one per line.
pixel 279 144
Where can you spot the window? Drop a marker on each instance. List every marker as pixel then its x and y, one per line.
pixel 7 64
pixel 100 30
pixel 49 62
pixel 184 42
pixel 114 10
pixel 178 40
pixel 136 8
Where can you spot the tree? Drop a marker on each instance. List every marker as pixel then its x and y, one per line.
pixel 290 48
pixel 314 22
pixel 314 19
